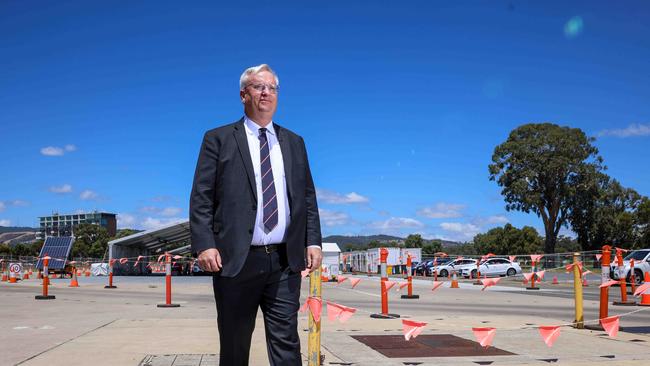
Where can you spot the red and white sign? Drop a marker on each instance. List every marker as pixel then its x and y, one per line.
pixel 15 267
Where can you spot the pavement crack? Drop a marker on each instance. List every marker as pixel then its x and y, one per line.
pixel 65 342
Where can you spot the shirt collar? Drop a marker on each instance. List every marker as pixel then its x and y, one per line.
pixel 253 128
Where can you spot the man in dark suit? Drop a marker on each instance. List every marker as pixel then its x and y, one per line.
pixel 254 223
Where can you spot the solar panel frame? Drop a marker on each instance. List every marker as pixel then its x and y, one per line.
pixel 58 249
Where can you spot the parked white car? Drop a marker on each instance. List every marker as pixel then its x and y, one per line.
pixel 493 267
pixel 457 265
pixel 641 266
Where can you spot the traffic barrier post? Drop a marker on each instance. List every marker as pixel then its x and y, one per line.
pixel 46 281
pixel 622 281
pixel 313 341
pixel 409 278
pixel 168 284
pixel 645 297
pixel 533 269
pixel 383 254
pixel 577 289
pixel 73 280
pixel 454 279
pixel 111 262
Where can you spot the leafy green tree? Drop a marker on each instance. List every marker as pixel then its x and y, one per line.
pixel 20 250
pixel 432 247
pixel 642 224
pixel 609 218
pixel 540 168
pixel 90 241
pixel 508 240
pixel 35 248
pixel 414 241
pixel 566 244
pixel 5 249
pixel 375 244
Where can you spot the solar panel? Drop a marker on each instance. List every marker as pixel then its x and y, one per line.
pixel 58 249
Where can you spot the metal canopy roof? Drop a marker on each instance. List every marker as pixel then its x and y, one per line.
pixel 156 238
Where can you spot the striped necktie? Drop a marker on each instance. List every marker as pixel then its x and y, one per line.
pixel 269 199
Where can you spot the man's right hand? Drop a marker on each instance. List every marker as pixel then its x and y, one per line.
pixel 210 260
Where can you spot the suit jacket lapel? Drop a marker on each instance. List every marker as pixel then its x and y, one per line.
pixel 285 147
pixel 242 144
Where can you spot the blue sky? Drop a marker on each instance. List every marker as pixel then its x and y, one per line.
pixel 103 104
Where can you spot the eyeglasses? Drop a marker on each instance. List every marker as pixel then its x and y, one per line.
pixel 273 89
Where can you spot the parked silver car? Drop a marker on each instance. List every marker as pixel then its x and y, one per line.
pixel 457 265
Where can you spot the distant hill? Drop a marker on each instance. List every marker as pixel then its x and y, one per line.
pixel 361 241
pixel 13 229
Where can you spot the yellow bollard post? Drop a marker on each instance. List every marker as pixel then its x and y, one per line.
pixel 313 342
pixel 577 289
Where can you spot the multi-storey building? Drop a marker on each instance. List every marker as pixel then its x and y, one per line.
pixel 64 225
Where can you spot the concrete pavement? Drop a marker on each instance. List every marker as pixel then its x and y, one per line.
pixel 123 326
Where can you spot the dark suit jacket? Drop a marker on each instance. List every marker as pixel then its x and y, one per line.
pixel 223 203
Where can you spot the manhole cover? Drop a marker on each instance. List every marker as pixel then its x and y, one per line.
pixel 427 345
pixel 181 360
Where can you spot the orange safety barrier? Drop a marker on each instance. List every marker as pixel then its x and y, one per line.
pixel 409 278
pixel 645 297
pixel 46 281
pixel 622 281
pixel 5 277
pixel 168 284
pixel 454 279
pixel 111 262
pixel 73 280
pixel 534 276
pixel 383 254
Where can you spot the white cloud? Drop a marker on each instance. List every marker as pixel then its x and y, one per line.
pixel 66 188
pixel 2 206
pixel 396 223
pixel 52 151
pixel 19 203
pixel 337 198
pixel 635 129
pixel 460 231
pixel 497 219
pixel 161 198
pixel 5 222
pixel 442 211
pixel 125 220
pixel 88 195
pixel 170 211
pixel 151 223
pixel 70 148
pixel 333 218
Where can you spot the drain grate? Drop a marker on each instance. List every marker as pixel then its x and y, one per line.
pixel 427 345
pixel 180 360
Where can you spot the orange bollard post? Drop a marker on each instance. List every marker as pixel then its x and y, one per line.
pixel 409 278
pixel 622 280
pixel 73 280
pixel 478 274
pixel 645 297
pixel 555 281
pixel 168 284
pixel 604 291
pixel 383 255
pixel 46 281
pixel 110 274
pixel 533 277
pixel 5 278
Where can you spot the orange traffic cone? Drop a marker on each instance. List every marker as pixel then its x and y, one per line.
pixel 26 276
pixel 454 280
pixel 555 281
pixel 4 277
pixel 645 297
pixel 73 281
pixel 12 277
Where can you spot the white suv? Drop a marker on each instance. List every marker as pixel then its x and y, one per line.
pixel 641 266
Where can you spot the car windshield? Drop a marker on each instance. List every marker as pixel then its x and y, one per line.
pixel 637 255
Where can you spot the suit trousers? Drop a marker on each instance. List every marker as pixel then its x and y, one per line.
pixel 267 282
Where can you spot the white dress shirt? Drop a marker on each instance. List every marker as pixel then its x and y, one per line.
pixel 276 235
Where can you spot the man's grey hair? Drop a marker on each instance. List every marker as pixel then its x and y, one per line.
pixel 243 80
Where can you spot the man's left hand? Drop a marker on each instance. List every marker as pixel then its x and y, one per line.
pixel 314 258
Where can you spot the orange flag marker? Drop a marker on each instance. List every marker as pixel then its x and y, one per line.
pixel 343 313
pixel 341 279
pixel 609 283
pixel 611 325
pixel 436 284
pixel 549 334
pixel 484 336
pixel 488 282
pixel 389 284
pixel 412 328
pixel 354 281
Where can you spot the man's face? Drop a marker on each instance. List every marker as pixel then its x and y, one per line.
pixel 260 94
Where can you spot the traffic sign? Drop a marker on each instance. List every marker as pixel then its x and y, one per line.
pixel 15 267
